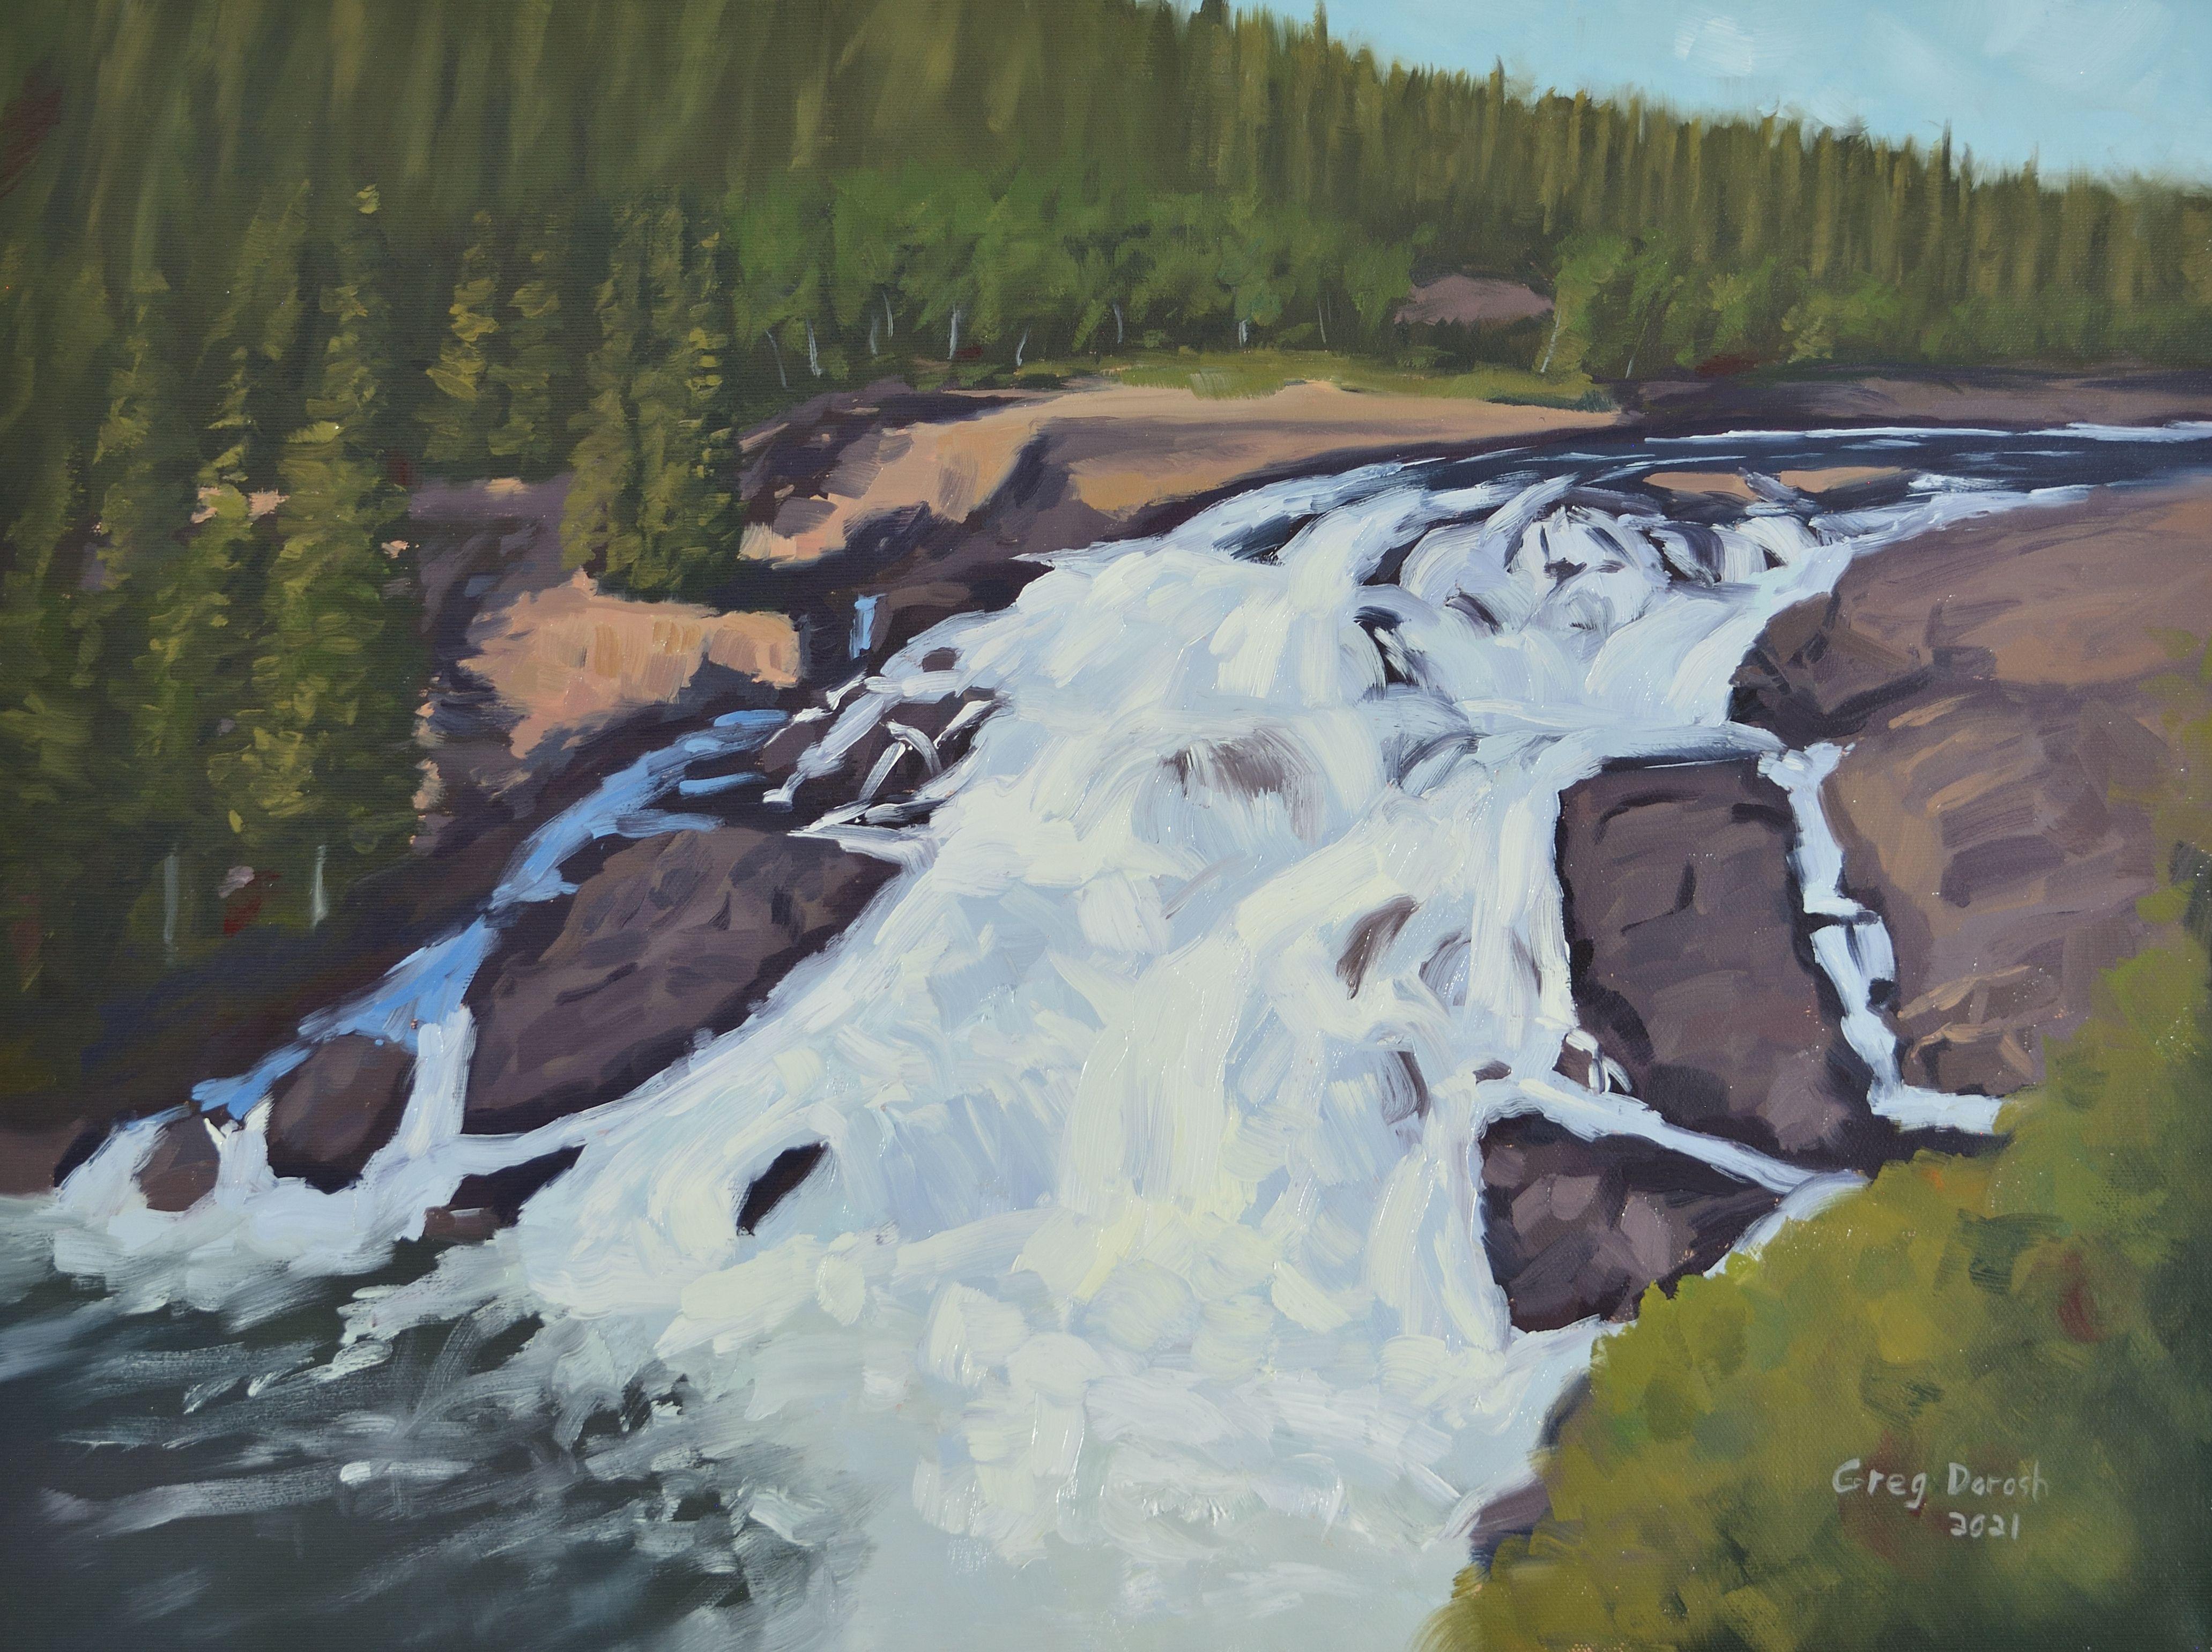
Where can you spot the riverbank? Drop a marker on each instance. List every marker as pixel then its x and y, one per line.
pixel 917 504
pixel 873 514
pixel 1257 851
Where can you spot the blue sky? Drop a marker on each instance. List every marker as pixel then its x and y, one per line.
pixel 2107 85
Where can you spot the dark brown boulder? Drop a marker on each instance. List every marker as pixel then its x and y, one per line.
pixel 34 1161
pixel 672 937
pixel 180 1170
pixel 1692 966
pixel 1575 1228
pixel 330 1114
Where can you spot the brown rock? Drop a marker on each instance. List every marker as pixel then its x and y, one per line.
pixel 31 1160
pixel 1575 1228
pixel 1997 684
pixel 330 1114
pixel 181 1169
pixel 1515 1514
pixel 674 936
pixel 1691 962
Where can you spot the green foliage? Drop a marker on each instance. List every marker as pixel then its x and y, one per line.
pixel 535 370
pixel 653 506
pixel 322 761
pixel 1230 373
pixel 459 425
pixel 189 285
pixel 2038 1312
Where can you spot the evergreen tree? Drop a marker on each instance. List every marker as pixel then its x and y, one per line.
pixel 144 458
pixel 533 375
pixel 52 824
pixel 251 363
pixel 687 518
pixel 599 523
pixel 460 422
pixel 48 713
pixel 143 470
pixel 653 507
pixel 325 773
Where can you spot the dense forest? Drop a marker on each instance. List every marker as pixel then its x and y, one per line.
pixel 262 262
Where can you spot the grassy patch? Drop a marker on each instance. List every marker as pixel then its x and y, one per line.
pixel 1227 374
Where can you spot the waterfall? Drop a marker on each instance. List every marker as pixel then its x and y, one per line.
pixel 1143 1256
pixel 318 904
pixel 1141 1281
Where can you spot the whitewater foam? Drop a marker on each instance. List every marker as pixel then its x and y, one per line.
pixel 1141 1288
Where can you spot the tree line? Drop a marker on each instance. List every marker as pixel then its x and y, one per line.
pixel 210 654
pixel 262 262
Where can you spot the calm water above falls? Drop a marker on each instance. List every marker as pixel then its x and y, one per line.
pixel 1142 1283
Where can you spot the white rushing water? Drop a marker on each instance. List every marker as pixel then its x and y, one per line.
pixel 1141 1295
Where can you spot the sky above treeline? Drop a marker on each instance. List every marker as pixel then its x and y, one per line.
pixel 2102 85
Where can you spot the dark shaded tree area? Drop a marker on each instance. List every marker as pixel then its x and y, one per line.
pixel 264 250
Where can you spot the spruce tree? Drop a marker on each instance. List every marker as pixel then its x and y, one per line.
pixel 687 514
pixel 652 507
pixel 145 458
pixel 48 711
pixel 192 680
pixel 460 422
pixel 144 466
pixel 328 771
pixel 531 376
pixel 599 524
pixel 253 360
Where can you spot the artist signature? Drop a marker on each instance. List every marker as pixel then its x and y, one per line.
pixel 2025 1485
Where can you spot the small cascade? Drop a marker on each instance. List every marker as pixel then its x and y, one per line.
pixel 254 1219
pixel 1853 948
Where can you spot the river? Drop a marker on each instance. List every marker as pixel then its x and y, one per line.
pixel 1141 1297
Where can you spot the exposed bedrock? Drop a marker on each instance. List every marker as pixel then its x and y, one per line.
pixel 1693 963
pixel 679 936
pixel 1998 687
pixel 2001 688
pixel 180 1170
pixel 673 938
pixel 1694 971
pixel 1575 1228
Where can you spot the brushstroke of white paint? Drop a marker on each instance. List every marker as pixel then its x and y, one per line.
pixel 1854 951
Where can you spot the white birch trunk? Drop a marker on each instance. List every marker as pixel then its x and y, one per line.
pixel 1545 366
